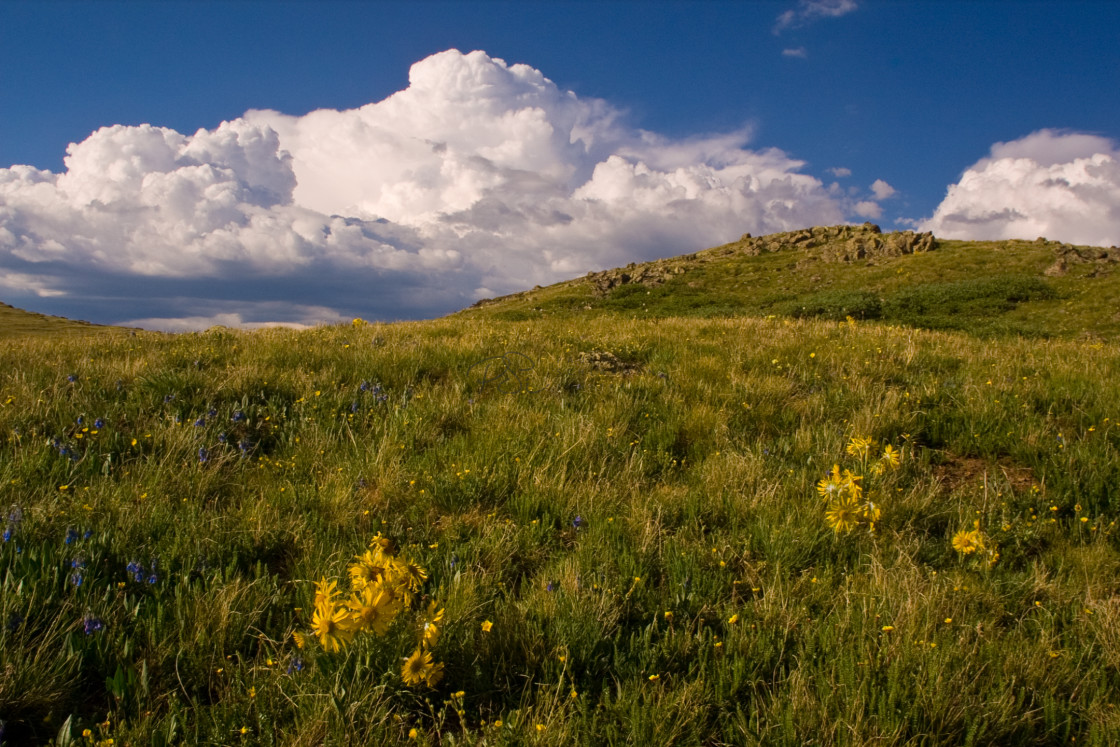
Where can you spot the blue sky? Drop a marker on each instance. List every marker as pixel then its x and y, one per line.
pixel 699 111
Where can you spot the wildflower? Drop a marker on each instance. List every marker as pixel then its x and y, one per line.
pixel 551 586
pixel 888 628
pixel 412 733
pixel 71 536
pixel 831 485
pixel 654 677
pixel 372 609
pixel 238 416
pixel 76 579
pixel 577 522
pixel 890 457
pixel 296 664
pixel 7 534
pixel 418 667
pixel 200 422
pixel 858 447
pixel 72 378
pixel 843 515
pixel 486 626
pixel 966 542
pixel 325 592
pixel 203 455
pixel 99 423
pixel 733 619
pixel 332 625
pixel 668 615
pixel 92 624
pixel 368 569
pixel 415 575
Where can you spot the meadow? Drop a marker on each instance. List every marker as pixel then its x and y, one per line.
pixel 574 529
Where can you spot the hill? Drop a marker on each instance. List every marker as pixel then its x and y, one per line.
pixel 16 323
pixel 1041 289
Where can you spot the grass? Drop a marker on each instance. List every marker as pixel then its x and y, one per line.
pixel 16 323
pixel 617 510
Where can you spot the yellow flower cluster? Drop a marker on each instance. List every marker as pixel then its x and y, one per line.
pixel 975 542
pixel 382 585
pixel 847 506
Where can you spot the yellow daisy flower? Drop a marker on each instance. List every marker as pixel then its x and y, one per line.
pixel 417 668
pixel 844 514
pixel 966 542
pixel 332 625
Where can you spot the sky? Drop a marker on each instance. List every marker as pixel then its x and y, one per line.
pixel 177 165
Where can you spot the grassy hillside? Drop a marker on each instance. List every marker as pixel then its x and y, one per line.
pixel 599 526
pixel 988 288
pixel 16 323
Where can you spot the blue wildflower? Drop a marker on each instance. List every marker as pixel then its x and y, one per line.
pixel 365 386
pixel 77 563
pixel 245 446
pixel 167 398
pixel 15 514
pixel 72 378
pixel 133 568
pixel 76 579
pixel 92 624
pixel 81 420
pixel 296 664
pixel 238 416
pixel 8 534
pixel 203 455
pixel 71 535
pixel 221 438
pixel 551 586
pixel 212 413
pixel 87 534
pixel 354 406
pixel 99 423
pixel 200 422
pixel 578 522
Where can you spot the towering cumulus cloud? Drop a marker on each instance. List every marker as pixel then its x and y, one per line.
pixel 480 178
pixel 1060 185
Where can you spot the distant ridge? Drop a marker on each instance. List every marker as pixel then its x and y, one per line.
pixel 15 322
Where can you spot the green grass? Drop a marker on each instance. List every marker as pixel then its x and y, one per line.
pixel 631 504
pixel 986 288
pixel 19 323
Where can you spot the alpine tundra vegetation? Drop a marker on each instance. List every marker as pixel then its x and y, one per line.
pixel 829 487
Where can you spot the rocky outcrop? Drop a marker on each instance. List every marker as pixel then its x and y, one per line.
pixel 835 244
pixel 650 273
pixel 840 243
pixel 1067 255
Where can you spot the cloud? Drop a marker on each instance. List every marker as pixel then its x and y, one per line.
pixel 478 179
pixel 868 209
pixel 798 52
pixel 1061 185
pixel 840 172
pixel 808 11
pixel 882 190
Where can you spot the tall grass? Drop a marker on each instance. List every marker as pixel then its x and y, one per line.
pixel 640 530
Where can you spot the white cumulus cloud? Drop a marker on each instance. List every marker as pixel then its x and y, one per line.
pixel 479 178
pixel 882 190
pixel 1061 185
